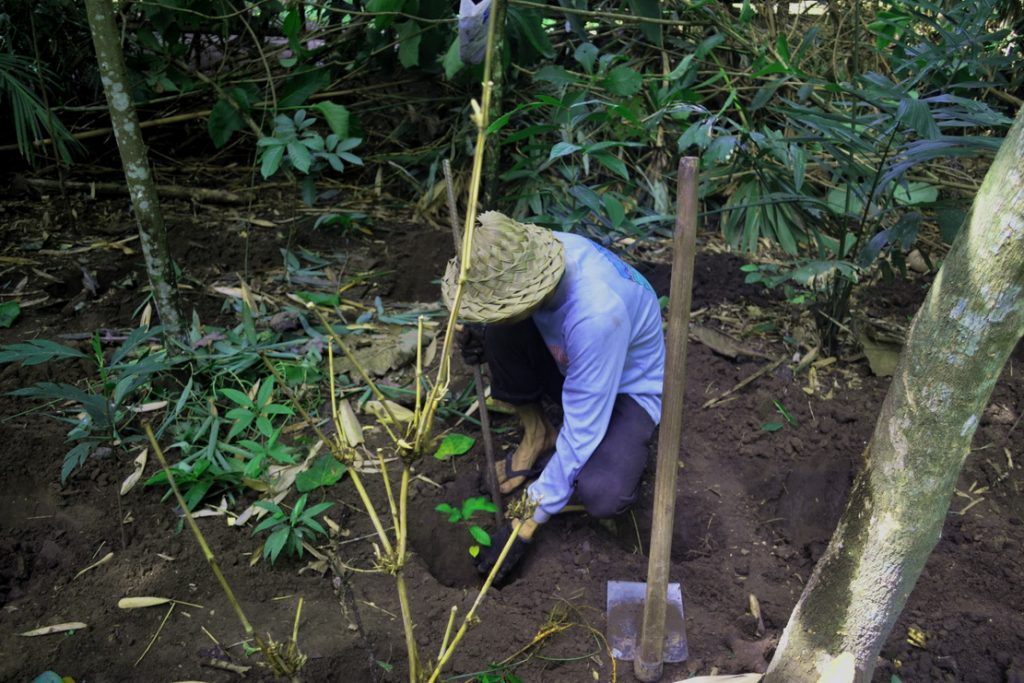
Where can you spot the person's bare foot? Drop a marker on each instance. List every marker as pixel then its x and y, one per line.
pixel 539 437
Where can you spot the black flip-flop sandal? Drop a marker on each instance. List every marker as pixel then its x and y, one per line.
pixel 527 474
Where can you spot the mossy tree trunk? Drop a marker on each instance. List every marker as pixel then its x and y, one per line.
pixel 134 159
pixel 957 346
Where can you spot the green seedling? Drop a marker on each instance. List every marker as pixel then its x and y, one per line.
pixel 786 415
pixel 453 445
pixel 463 515
pixel 289 530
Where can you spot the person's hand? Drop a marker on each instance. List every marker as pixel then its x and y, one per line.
pixel 487 558
pixel 471 343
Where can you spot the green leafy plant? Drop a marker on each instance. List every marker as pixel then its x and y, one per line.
pixel 784 413
pixel 297 146
pixel 287 530
pixel 32 121
pixel 464 514
pixel 100 413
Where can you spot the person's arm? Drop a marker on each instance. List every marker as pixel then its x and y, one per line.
pixel 596 349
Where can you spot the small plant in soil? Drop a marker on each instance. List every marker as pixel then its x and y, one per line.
pixel 100 414
pixel 463 515
pixel 288 531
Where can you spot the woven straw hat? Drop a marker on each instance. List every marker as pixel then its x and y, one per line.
pixel 512 268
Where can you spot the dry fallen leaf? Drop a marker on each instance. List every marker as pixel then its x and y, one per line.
pixel 137 603
pixel 349 423
pixel 103 560
pixel 133 478
pixel 56 628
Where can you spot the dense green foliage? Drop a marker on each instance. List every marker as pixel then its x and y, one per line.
pixel 834 133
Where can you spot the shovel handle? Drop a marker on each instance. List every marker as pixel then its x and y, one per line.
pixel 647 665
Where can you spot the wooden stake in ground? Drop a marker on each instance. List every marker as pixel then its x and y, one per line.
pixel 647 665
pixel 134 158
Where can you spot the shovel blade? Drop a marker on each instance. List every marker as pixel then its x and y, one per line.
pixel 625 616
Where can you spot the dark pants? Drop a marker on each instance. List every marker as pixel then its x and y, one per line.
pixel 523 371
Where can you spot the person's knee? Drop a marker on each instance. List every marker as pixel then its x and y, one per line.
pixel 602 499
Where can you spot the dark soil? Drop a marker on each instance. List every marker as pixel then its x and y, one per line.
pixel 755 509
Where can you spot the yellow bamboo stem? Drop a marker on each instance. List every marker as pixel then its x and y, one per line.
pixel 448 631
pixel 516 525
pixel 387 490
pixel 200 539
pixel 407 625
pixel 359 368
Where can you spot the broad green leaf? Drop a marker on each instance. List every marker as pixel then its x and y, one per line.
pixel 652 10
pixel 74 458
pixel 916 115
pixel 771 426
pixel 276 542
pixel 379 6
pixel 837 199
pixel 454 444
pixel 556 75
pixel 292 23
pixel 531 27
pixel 782 47
pixel 320 298
pixel 326 471
pixel 300 157
pixel 612 163
pixel 474 550
pixel 586 55
pixel 915 193
pixel 300 86
pixel 561 149
pixel 300 504
pixel 453 514
pixel 271 160
pixel 9 312
pixel 480 536
pixel 268 523
pixel 477 504
pixel 616 212
pixel 746 12
pixel 682 68
pixel 237 396
pixel 224 121
pixel 317 509
pixel 336 116
pixel 452 62
pixel 622 81
pixel 765 93
pixel 409 36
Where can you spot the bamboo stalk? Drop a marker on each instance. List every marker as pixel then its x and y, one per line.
pixel 443 660
pixel 200 539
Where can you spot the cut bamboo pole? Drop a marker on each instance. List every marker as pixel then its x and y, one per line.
pixel 647 665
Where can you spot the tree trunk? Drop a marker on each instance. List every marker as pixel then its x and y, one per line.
pixel 134 159
pixel 956 348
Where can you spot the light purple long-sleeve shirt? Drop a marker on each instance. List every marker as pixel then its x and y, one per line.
pixel 603 328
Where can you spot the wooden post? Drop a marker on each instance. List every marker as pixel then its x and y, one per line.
pixel 647 666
